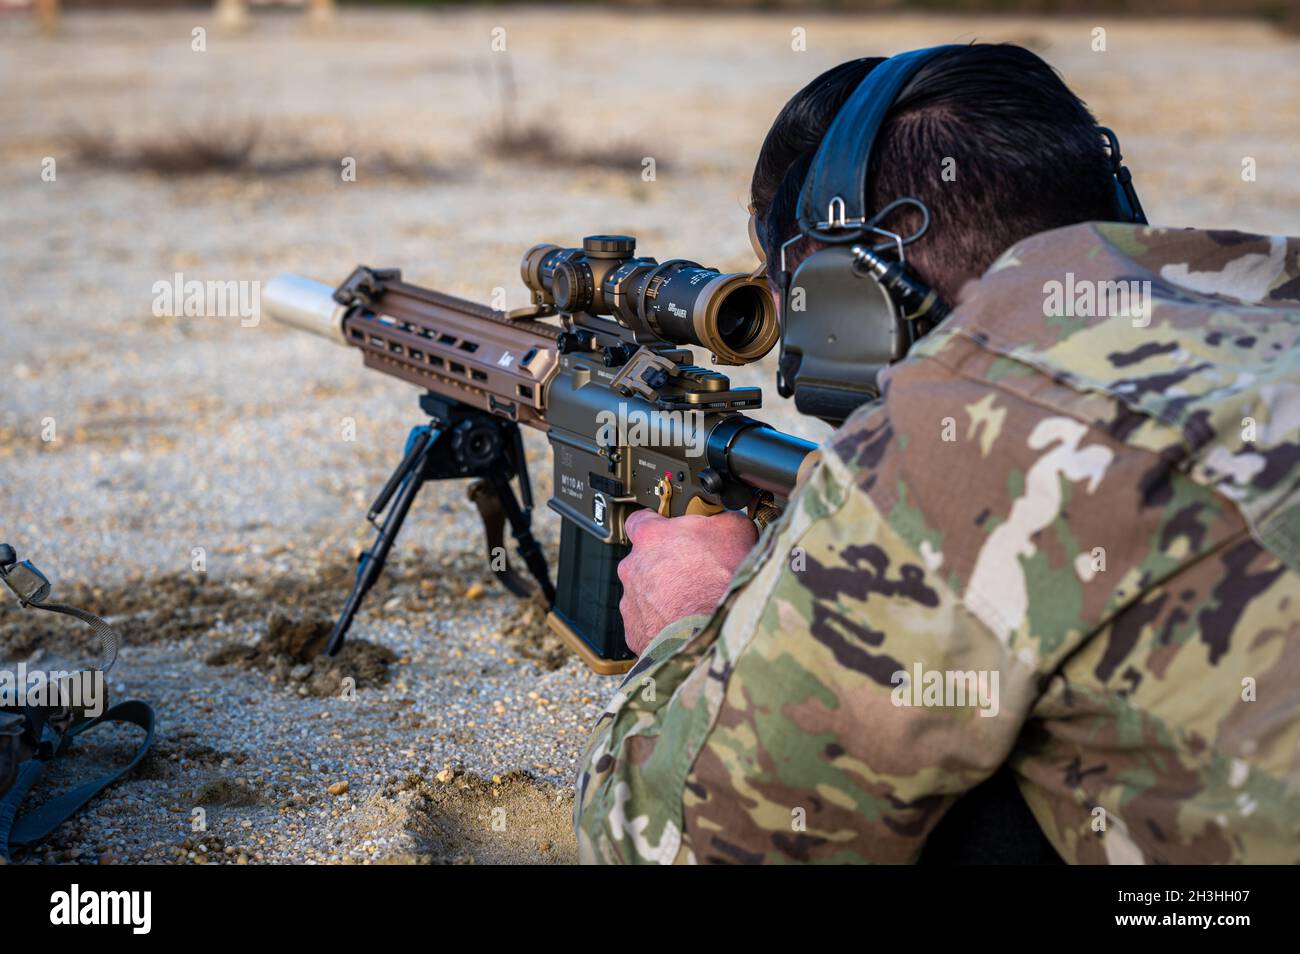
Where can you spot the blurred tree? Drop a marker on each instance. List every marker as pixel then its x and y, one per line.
pixel 47 15
pixel 233 14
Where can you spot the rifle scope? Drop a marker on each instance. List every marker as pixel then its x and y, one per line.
pixel 677 301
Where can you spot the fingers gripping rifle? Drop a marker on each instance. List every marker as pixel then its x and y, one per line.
pixel 631 420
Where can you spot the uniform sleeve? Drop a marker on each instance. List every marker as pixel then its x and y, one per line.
pixel 673 636
pixel 831 709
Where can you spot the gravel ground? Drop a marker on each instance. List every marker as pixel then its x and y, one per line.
pixel 185 436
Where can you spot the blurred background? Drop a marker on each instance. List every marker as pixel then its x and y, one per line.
pixel 212 141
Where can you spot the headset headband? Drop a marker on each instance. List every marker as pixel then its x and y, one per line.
pixel 845 152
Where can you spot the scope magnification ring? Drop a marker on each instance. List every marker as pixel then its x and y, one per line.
pixel 653 322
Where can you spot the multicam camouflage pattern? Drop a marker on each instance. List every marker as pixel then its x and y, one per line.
pixel 1103 511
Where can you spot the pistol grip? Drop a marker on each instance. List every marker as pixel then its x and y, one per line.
pixel 699 507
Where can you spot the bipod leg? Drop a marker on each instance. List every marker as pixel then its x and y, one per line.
pixel 521 527
pixel 405 482
pixel 485 498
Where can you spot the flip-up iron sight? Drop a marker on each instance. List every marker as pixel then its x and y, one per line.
pixel 677 302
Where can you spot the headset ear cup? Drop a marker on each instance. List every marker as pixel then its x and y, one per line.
pixel 841 328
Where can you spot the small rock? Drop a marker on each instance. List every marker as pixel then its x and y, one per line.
pixel 338 788
pixel 475 591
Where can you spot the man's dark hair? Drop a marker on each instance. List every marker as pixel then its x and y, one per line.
pixel 1026 153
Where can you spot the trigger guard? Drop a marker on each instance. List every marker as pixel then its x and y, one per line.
pixel 699 507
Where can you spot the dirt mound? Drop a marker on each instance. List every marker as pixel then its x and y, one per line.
pixel 530 637
pixel 226 792
pixel 292 651
pixel 178 750
pixel 512 818
pixel 185 605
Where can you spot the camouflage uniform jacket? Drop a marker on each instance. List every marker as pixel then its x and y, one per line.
pixel 1068 544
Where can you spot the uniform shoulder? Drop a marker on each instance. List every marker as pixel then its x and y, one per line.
pixel 1031 442
pixel 1184 343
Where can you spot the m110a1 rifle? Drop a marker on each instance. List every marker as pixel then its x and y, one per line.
pixel 600 362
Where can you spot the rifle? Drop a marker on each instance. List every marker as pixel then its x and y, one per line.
pixel 632 420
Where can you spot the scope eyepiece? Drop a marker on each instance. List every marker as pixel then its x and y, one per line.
pixel 679 302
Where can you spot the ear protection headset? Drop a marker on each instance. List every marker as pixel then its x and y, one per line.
pixel 853 307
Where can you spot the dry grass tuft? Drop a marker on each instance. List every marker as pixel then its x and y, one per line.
pixel 180 153
pixel 238 150
pixel 537 143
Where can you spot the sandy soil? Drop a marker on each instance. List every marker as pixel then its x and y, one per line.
pixel 176 435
